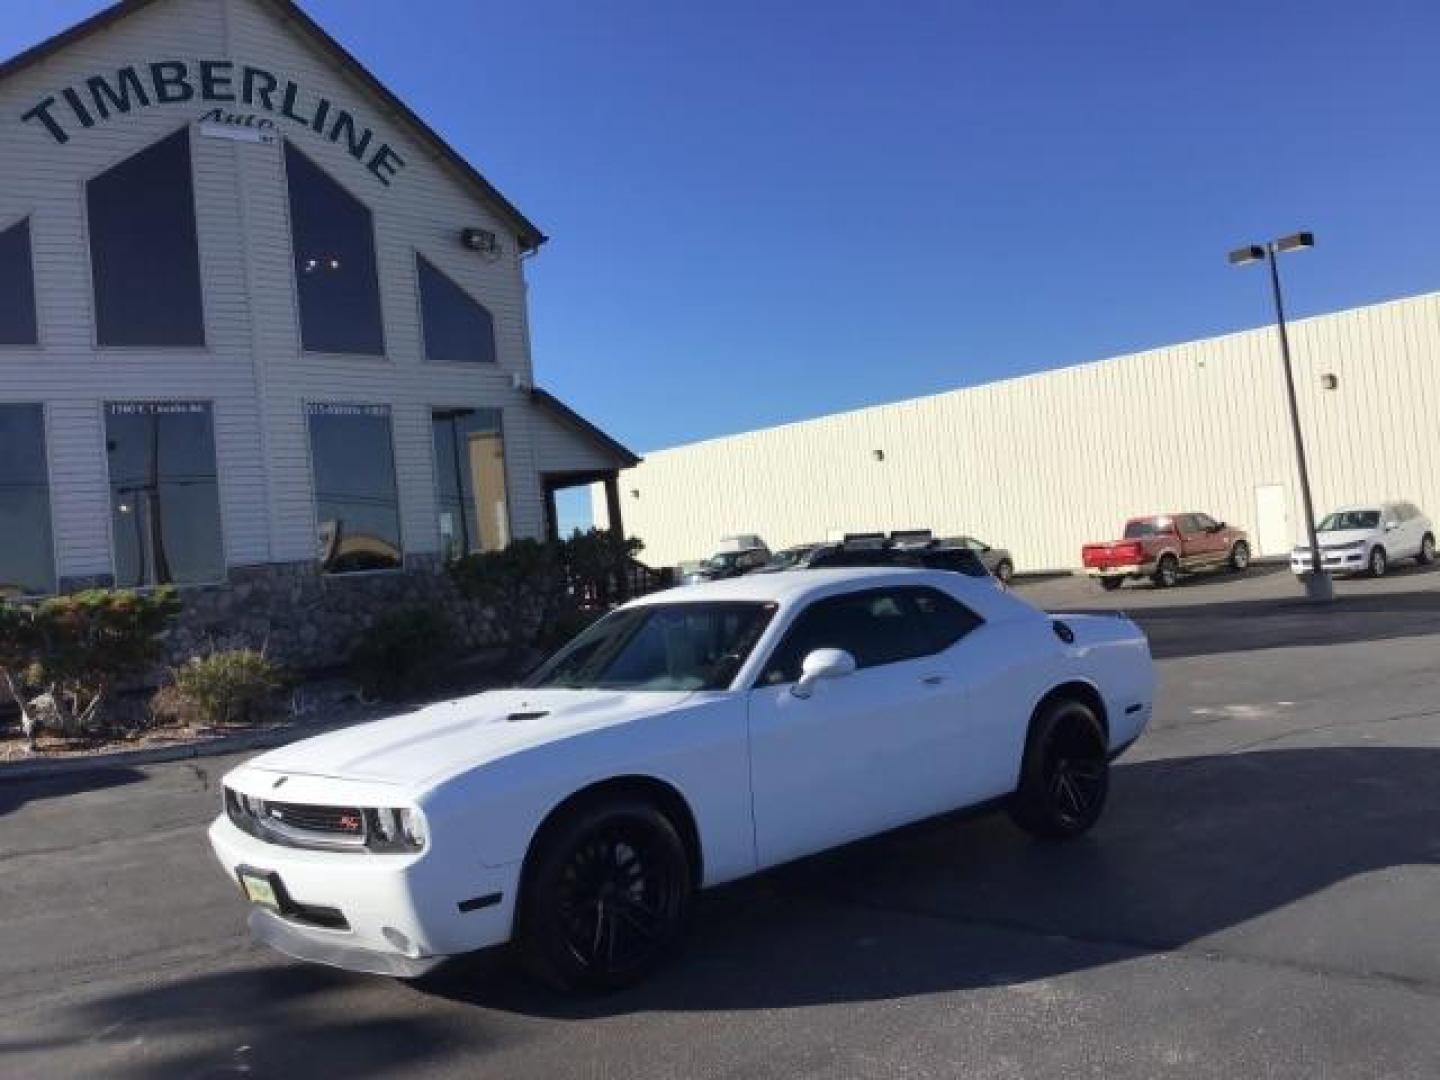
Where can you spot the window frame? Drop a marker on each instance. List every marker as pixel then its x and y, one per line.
pixel 383 356
pixel 904 593
pixel 480 365
pixel 204 347
pixel 435 472
pixel 305 404
pixel 140 399
pixel 45 428
pixel 28 219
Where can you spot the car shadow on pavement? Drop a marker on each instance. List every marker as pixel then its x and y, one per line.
pixel 16 793
pixel 1249 625
pixel 1190 848
pixel 283 1019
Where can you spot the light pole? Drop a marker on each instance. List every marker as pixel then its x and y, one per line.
pixel 1318 585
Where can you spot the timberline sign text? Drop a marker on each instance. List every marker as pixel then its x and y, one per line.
pixel 173 82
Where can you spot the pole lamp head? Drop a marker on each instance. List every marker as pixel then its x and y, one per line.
pixel 1295 242
pixel 1248 254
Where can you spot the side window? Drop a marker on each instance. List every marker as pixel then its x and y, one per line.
pixel 144 255
pixel 17 287
pixel 1186 524
pixel 1203 522
pixel 944 618
pixel 333 237
pixel 875 626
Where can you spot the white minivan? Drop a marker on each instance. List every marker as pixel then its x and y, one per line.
pixel 1366 539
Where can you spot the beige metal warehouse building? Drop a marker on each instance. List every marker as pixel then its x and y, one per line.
pixel 1042 463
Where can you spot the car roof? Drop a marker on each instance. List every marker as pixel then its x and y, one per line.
pixel 789 587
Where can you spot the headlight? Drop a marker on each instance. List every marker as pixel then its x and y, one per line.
pixel 395 830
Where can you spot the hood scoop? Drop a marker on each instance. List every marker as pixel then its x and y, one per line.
pixel 518 717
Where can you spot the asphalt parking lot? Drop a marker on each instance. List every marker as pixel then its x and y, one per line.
pixel 1262 899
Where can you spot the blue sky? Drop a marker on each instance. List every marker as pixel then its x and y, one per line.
pixel 764 211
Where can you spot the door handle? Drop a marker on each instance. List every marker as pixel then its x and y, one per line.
pixel 933 680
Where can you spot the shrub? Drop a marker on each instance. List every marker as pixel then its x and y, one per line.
pixel 72 651
pixel 226 686
pixel 404 651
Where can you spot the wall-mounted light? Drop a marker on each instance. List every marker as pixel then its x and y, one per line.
pixel 634 493
pixel 878 455
pixel 1329 382
pixel 482 240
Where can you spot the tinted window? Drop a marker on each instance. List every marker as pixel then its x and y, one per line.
pixel 470 474
pixel 17 287
pixel 333 238
pixel 875 626
pixel 27 565
pixel 659 647
pixel 1203 522
pixel 356 508
pixel 1143 527
pixel 957 560
pixel 458 330
pixel 945 619
pixel 143 253
pixel 164 498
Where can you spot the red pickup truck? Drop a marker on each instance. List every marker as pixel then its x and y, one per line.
pixel 1163 546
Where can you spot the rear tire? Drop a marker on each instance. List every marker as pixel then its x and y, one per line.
pixel 604 898
pixel 1110 584
pixel 1240 556
pixel 1167 573
pixel 1065 776
pixel 1427 550
pixel 1378 562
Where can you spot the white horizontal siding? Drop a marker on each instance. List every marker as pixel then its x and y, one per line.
pixel 1043 463
pixel 252 367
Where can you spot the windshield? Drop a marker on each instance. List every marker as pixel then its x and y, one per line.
pixel 1137 530
pixel 725 561
pixel 1350 519
pixel 659 647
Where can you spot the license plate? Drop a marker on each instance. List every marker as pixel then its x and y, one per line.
pixel 260 889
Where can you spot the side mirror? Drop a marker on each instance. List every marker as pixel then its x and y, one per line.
pixel 822 664
pixel 1219 527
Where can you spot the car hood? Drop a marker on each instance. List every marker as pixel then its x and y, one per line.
pixel 1341 537
pixel 419 748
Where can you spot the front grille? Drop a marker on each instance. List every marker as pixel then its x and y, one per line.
pixel 297 824
pixel 340 820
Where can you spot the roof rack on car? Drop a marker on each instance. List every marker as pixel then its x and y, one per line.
pixel 864 540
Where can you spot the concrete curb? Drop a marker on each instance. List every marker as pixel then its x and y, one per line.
pixel 216 747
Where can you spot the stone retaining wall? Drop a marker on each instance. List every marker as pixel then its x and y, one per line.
pixel 306 620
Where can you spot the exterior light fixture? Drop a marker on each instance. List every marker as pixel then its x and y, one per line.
pixel 879 455
pixel 1329 382
pixel 1318 585
pixel 481 240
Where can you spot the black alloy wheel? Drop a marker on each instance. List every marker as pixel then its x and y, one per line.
pixel 1240 555
pixel 1168 572
pixel 1065 777
pixel 605 902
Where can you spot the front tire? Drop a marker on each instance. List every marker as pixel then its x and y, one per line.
pixel 1427 550
pixel 1240 556
pixel 1167 573
pixel 1065 777
pixel 605 899
pixel 1378 562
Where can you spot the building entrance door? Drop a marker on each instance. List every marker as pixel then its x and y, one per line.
pixel 1272 520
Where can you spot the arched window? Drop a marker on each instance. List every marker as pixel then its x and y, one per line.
pixel 144 256
pixel 17 286
pixel 458 329
pixel 333 239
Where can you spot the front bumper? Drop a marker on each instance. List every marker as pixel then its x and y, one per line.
pixel 1335 562
pixel 401 914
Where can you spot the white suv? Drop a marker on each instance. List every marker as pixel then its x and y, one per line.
pixel 1367 539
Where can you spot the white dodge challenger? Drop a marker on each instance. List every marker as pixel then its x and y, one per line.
pixel 687 739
